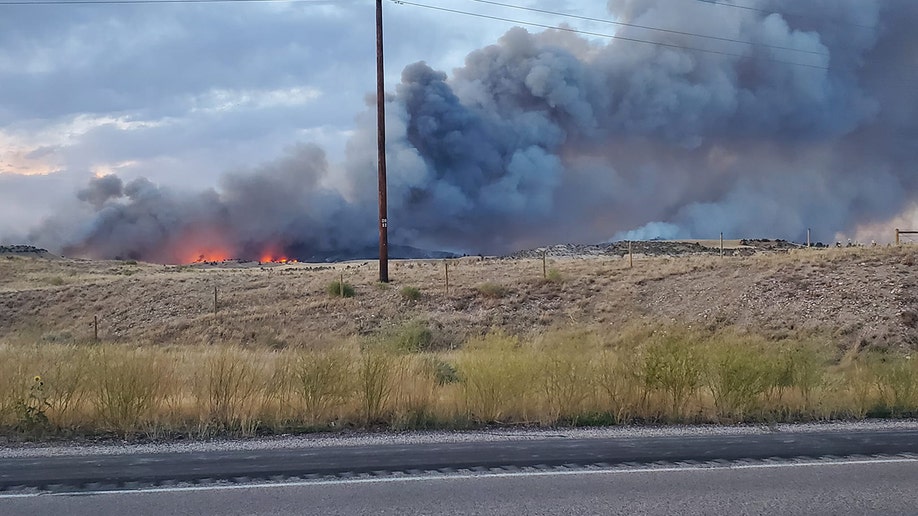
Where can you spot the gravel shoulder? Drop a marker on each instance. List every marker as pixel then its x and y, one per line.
pixel 20 450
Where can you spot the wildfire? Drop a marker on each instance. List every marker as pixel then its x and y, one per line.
pixel 208 256
pixel 273 258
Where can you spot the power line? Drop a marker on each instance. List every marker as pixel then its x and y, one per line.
pixel 645 27
pixel 600 34
pixel 786 14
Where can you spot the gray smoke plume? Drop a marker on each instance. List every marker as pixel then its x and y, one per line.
pixel 807 120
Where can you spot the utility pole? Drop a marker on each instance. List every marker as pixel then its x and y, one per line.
pixel 381 150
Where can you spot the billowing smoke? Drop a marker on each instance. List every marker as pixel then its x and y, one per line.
pixel 808 120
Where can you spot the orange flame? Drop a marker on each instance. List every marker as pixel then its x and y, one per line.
pixel 272 257
pixel 207 255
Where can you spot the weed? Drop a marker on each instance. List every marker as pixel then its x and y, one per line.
pixel 374 384
pixel 411 294
pixel 492 290
pixel 495 375
pixel 228 383
pixel 738 377
pixel 445 373
pixel 897 382
pixel 673 366
pixel 554 276
pixel 323 381
pixel 129 387
pixel 412 337
pixel 338 288
pixel 617 378
pixel 31 412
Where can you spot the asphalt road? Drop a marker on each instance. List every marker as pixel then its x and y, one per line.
pixel 810 488
pixel 75 472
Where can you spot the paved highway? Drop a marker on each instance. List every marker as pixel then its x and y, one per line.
pixel 839 468
pixel 869 486
pixel 73 472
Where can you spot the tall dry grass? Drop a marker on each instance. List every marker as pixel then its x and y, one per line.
pixel 639 374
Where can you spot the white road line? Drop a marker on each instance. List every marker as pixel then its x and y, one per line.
pixel 466 476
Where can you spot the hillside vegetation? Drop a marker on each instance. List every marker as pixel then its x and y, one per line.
pixel 858 297
pixel 783 336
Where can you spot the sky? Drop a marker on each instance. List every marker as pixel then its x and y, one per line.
pixel 795 118
pixel 183 93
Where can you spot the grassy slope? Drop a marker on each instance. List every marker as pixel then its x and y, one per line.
pixel 859 297
pixel 769 337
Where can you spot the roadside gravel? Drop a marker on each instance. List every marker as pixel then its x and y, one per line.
pixel 14 450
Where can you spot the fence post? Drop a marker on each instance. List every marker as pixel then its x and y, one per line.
pixel 630 255
pixel 341 284
pixel 544 266
pixel 446 269
pixel 721 244
pixel 897 236
pixel 95 328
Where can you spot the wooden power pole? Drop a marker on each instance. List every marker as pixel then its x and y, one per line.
pixel 381 150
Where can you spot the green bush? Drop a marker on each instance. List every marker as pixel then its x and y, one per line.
pixel 897 382
pixel 412 337
pixel 674 366
pixel 410 293
pixel 554 276
pixel 338 289
pixel 738 377
pixel 444 372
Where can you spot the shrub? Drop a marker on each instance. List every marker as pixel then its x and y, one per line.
pixel 338 288
pixel 897 382
pixel 738 377
pixel 375 385
pixel 495 375
pixel 410 293
pixel 444 372
pixel 565 377
pixel 412 337
pixel 673 366
pixel 129 387
pixel 554 276
pixel 323 381
pixel 228 383
pixel 617 377
pixel 492 290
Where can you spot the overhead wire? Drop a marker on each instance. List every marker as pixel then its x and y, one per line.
pixel 484 16
pixel 644 27
pixel 600 34
pixel 782 13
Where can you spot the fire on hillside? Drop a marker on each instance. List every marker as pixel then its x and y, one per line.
pixel 217 256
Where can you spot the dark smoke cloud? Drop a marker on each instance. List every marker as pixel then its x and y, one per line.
pixel 550 137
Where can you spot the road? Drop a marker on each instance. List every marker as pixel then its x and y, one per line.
pixel 849 487
pixel 793 469
pixel 73 472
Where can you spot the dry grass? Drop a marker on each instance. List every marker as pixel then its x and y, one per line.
pixel 671 374
pixel 801 335
pixel 857 294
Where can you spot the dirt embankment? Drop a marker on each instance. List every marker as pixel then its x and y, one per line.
pixel 862 297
